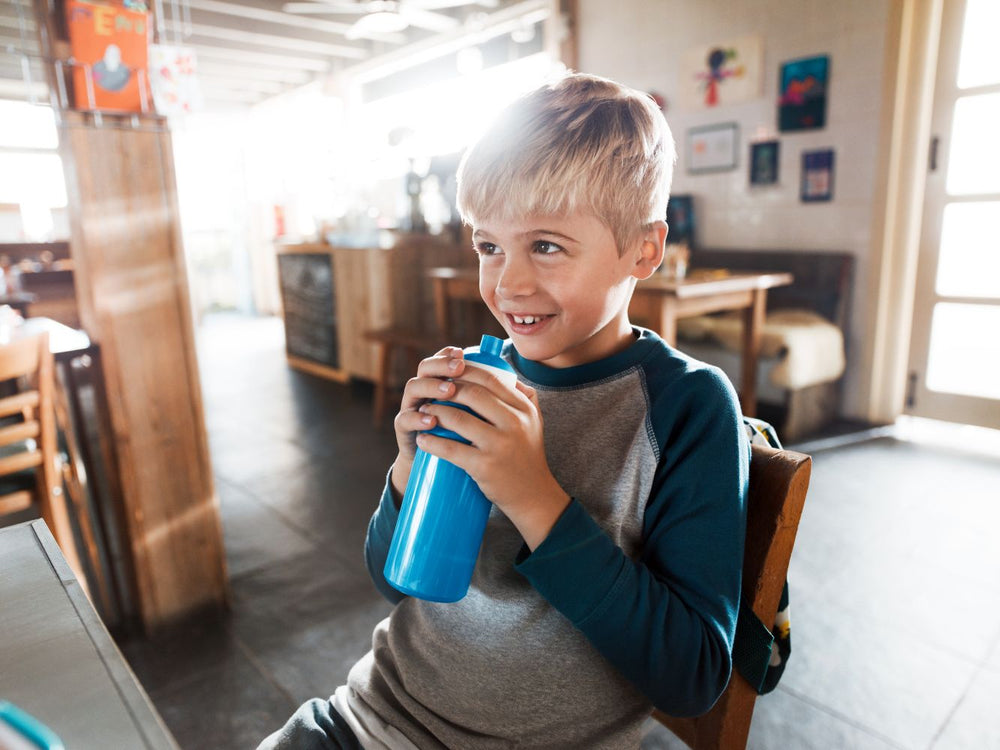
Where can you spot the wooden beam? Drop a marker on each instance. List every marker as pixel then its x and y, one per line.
pixel 266 40
pixel 264 59
pixel 132 293
pixel 286 19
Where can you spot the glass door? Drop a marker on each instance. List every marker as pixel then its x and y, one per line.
pixel 955 346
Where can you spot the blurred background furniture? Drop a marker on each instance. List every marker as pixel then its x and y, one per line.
pixel 779 480
pixel 806 334
pixel 29 462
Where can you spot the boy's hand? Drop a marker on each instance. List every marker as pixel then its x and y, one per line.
pixel 431 382
pixel 507 455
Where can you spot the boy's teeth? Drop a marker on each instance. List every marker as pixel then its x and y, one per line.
pixel 526 320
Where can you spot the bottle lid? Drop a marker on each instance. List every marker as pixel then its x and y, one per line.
pixel 491 345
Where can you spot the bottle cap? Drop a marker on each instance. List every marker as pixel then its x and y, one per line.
pixel 491 345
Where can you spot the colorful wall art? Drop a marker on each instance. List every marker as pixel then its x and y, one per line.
pixel 717 74
pixel 109 45
pixel 817 175
pixel 802 97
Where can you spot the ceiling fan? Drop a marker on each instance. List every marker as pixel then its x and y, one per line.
pixel 388 16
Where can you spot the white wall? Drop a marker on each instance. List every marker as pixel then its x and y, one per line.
pixel 640 43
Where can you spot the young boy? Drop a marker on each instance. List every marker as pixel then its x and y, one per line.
pixel 609 577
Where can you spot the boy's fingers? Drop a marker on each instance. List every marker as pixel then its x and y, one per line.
pixel 445 364
pixel 421 389
pixel 489 381
pixel 470 427
pixel 528 391
pixel 414 421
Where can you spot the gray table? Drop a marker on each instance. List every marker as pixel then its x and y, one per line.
pixel 57 661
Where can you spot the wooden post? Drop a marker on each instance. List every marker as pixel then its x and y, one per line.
pixel 133 297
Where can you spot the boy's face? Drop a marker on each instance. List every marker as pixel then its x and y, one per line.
pixel 558 285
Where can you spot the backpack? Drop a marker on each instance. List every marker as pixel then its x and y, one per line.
pixel 760 653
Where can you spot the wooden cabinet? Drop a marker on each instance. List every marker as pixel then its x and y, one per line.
pixel 368 288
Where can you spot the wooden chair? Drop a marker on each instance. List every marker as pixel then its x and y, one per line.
pixel 778 483
pixel 413 343
pixel 29 461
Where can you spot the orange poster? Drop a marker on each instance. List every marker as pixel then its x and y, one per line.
pixel 109 47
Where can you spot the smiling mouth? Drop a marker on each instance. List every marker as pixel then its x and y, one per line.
pixel 527 323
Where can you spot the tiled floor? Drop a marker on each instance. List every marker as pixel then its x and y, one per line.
pixel 895 578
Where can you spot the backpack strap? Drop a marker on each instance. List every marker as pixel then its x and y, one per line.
pixel 752 647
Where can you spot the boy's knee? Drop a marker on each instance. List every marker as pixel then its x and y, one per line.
pixel 313 726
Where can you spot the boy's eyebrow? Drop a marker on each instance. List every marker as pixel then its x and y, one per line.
pixel 482 234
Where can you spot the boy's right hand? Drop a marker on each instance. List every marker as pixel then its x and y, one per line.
pixel 431 382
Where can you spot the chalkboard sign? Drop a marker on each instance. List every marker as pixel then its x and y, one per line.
pixel 307 295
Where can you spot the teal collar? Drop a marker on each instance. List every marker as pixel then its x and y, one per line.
pixel 646 343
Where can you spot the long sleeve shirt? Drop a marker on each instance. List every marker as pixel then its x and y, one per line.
pixel 629 603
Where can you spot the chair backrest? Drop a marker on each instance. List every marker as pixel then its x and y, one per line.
pixel 30 360
pixel 777 491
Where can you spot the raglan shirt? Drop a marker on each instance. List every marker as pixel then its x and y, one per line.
pixel 629 603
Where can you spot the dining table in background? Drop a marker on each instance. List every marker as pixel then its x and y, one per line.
pixel 662 300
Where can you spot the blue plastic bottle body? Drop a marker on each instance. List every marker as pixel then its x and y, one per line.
pixel 442 518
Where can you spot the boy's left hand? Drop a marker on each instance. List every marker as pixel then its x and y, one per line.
pixel 507 455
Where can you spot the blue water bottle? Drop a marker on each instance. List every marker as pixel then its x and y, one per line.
pixel 443 516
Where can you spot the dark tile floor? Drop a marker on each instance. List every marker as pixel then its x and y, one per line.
pixel 894 579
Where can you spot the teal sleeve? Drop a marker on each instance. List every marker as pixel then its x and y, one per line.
pixel 377 541
pixel 667 619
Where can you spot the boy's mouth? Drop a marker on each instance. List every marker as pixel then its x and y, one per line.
pixel 527 324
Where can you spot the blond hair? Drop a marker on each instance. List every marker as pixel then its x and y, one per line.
pixel 579 143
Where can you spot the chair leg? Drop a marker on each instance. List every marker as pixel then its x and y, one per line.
pixel 54 513
pixel 382 360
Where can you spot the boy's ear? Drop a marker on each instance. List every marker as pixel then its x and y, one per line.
pixel 650 250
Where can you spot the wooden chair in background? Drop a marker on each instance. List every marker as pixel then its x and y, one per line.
pixel 415 344
pixel 778 483
pixel 29 457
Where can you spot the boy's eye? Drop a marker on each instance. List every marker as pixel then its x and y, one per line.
pixel 547 248
pixel 486 248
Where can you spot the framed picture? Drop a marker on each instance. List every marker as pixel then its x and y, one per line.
pixel 817 175
pixel 802 98
pixel 108 44
pixel 680 220
pixel 729 72
pixel 764 162
pixel 712 148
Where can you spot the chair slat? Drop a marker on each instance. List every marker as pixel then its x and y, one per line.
pixel 20 462
pixel 15 502
pixel 18 403
pixel 17 433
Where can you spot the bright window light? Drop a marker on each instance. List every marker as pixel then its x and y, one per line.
pixel 969 265
pixel 977 64
pixel 32 178
pixel 965 350
pixel 975 146
pixel 24 125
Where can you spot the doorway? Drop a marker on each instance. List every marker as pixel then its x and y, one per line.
pixel 954 362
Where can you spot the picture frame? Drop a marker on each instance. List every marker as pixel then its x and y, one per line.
pixel 802 91
pixel 713 148
pixel 764 162
pixel 681 220
pixel 817 175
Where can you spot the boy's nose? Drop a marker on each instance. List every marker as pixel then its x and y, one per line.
pixel 516 279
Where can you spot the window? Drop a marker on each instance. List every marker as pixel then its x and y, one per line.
pixel 31 175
